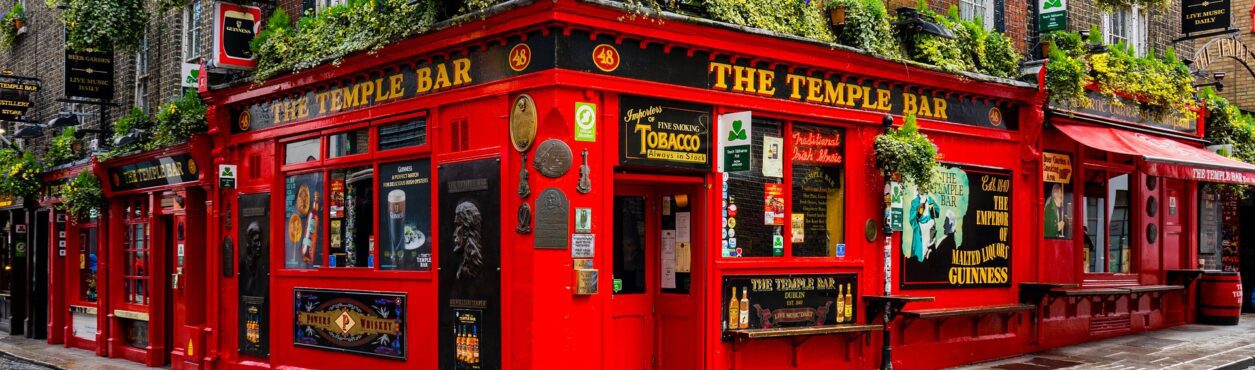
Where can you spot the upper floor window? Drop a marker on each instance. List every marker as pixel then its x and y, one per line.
pixel 1126 25
pixel 324 4
pixel 971 10
pixel 193 15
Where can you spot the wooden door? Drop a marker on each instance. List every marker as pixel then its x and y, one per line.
pixel 1176 253
pixel 681 245
pixel 629 335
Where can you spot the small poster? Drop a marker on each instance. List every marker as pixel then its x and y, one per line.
pixel 582 246
pixel 583 220
pixel 798 222
pixel 734 141
pixel 773 204
pixel 668 259
pixel 303 200
pixel 683 226
pixel 773 159
pixel 405 204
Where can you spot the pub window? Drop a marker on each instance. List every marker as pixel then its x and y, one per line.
pixel 629 244
pixel 135 249
pixel 142 73
pixel 1107 222
pixel 87 259
pixel 1126 25
pixel 192 29
pixel 972 10
pixel 756 201
pixel 302 151
pixel 348 143
pixel 403 134
pixel 818 191
pixel 302 205
pixel 349 218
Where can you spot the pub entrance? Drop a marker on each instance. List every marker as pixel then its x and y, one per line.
pixel 657 267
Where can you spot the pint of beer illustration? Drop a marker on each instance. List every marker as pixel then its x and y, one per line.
pixel 396 224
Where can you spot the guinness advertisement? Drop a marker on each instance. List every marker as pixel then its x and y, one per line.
pixel 664 133
pixel 16 97
pixel 1103 107
pixel 626 58
pixel 469 265
pixel 254 279
pixel 175 169
pixel 1204 15
pixel 959 234
pixel 782 301
pixel 89 74
pixel 234 28
pixel 367 323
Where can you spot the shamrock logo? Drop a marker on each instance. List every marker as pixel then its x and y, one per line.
pixel 737 133
pixel 1051 4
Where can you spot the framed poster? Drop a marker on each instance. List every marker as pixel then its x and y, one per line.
pixel 959 234
pixel 470 279
pixel 780 301
pixel 254 281
pixel 367 323
pixel 302 205
pixel 405 207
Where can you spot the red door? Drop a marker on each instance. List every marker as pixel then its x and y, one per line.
pixel 656 272
pixel 1175 252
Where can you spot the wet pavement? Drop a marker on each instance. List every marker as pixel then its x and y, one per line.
pixel 1188 347
pixel 19 353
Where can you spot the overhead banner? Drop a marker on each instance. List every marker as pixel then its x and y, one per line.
pixel 367 323
pixel 734 141
pixel 89 74
pixel 1052 15
pixel 1204 15
pixel 235 26
pixel 958 235
pixel 16 97
pixel 664 133
pixel 175 169
pixel 254 280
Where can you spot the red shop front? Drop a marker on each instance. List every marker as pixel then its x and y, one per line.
pixel 152 255
pixel 539 194
pixel 75 265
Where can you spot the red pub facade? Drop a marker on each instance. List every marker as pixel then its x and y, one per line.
pixel 559 185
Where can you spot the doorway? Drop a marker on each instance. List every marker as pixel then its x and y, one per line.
pixel 657 250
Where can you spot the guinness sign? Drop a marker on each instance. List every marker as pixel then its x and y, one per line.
pixel 234 28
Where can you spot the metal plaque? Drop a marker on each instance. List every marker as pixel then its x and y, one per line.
pixel 523 119
pixel 552 217
pixel 525 219
pixel 585 185
pixel 553 158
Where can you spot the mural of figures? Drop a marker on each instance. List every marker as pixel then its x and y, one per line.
pixel 470 281
pixel 959 234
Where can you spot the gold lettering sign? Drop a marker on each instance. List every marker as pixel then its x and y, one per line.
pixel 803 88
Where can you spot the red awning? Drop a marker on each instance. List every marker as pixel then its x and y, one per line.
pixel 1164 157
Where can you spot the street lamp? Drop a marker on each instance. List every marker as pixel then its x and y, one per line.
pixel 64 119
pixel 1216 78
pixel 911 22
pixel 29 131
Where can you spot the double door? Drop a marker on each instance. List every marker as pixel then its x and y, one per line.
pixel 657 271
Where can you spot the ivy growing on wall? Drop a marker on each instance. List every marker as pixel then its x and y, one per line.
pixel 1158 85
pixel 102 24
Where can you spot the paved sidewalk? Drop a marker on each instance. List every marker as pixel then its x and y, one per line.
pixel 1186 347
pixel 39 352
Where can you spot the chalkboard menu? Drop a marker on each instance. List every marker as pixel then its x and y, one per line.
pixel 776 301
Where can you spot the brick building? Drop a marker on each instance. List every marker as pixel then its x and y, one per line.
pixel 1239 84
pixel 143 78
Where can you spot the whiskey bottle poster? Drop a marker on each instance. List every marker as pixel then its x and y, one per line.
pixel 253 232
pixel 470 252
pixel 405 215
pixel 780 301
pixel 959 234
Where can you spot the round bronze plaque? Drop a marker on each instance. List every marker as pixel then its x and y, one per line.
pixel 871 230
pixel 553 158
pixel 523 119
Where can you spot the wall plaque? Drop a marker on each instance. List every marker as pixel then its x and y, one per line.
pixel 553 158
pixel 552 217
pixel 664 133
pixel 523 119
pixel 368 323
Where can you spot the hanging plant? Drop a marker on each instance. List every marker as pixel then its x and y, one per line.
pixel 135 122
pixel 64 148
pixel 1109 5
pixel 866 26
pixel 907 153
pixel 19 173
pixel 178 120
pixel 1156 85
pixel 11 25
pixel 82 195
pixel 103 24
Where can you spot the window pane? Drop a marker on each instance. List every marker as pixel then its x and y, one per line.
pixel 303 207
pixel 750 231
pixel 404 134
pixel 302 151
pixel 352 142
pixel 818 191
pixel 405 207
pixel 87 264
pixel 350 218
pixel 1118 251
pixel 629 244
pixel 1095 221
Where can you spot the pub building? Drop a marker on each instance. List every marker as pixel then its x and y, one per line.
pixel 543 193
pixel 15 268
pixel 74 264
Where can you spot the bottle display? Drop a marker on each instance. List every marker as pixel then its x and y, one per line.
pixel 745 309
pixel 840 305
pixel 734 312
pixel 849 303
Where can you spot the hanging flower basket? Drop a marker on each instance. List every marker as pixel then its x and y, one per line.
pixel 907 154
pixel 82 195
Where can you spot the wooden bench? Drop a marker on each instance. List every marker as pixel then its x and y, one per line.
pixel 977 313
pixel 799 335
pixel 1154 291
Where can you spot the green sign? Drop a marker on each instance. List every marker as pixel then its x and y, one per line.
pixel 1052 15
pixel 734 138
pixel 585 122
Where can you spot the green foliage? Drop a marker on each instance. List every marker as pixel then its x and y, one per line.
pixel 64 148
pixel 82 194
pixel 789 17
pixel 1228 125
pixel 178 120
pixel 8 25
pixel 866 26
pixel 19 173
pixel 103 24
pixel 991 53
pixel 1109 5
pixel 134 122
pixel 1157 85
pixel 908 153
pixel 1066 76
pixel 336 32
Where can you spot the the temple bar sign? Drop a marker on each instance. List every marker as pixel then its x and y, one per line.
pixel 1204 15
